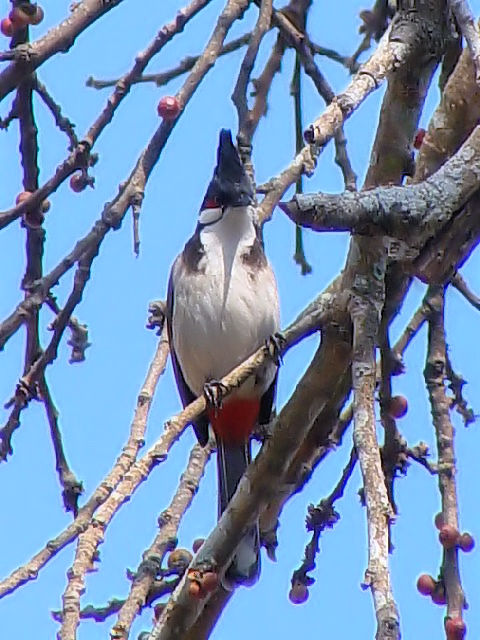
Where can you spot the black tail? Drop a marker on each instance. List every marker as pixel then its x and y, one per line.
pixel 232 460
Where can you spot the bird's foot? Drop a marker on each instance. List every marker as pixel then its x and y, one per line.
pixel 214 391
pixel 275 345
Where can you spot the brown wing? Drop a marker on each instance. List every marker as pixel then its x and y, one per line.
pixel 187 396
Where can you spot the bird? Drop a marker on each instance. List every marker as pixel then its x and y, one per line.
pixel 222 305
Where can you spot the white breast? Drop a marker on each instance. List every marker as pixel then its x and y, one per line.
pixel 224 311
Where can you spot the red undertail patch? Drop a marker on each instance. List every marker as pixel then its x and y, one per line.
pixel 235 421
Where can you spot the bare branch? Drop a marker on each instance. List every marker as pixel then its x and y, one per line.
pixel 28 57
pixel 435 372
pixel 29 571
pixel 239 95
pixel 469 29
pixel 395 210
pixel 461 285
pixel 132 189
pixel 79 332
pixel 79 157
pixel 387 56
pixel 61 121
pixel 163 77
pixel 72 488
pixel 365 306
pixel 321 517
pixel 169 522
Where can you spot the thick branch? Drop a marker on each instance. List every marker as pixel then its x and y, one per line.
pixel 365 307
pixel 368 79
pixel 469 30
pixel 425 207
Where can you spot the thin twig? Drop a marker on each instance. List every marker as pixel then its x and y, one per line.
pixel 239 95
pixel 63 123
pixel 12 115
pixel 296 92
pixel 461 285
pixel 321 517
pixel 78 332
pixel 435 373
pixel 163 77
pixel 169 522
pixel 29 571
pixel 133 188
pixel 456 384
pixel 346 61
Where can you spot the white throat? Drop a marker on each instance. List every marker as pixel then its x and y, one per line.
pixel 229 236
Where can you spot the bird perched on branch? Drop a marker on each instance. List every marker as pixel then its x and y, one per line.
pixel 222 306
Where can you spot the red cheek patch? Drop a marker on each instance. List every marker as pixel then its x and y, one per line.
pixel 210 203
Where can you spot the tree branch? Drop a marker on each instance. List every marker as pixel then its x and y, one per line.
pixel 29 571
pixel 425 207
pixel 28 57
pixel 387 56
pixel 168 521
pixel 469 30
pixel 435 372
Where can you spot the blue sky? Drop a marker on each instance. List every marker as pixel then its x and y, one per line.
pixel 96 398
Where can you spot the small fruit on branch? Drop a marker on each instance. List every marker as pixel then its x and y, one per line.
pixel 168 108
pixel 426 584
pixel 448 536
pixel 397 406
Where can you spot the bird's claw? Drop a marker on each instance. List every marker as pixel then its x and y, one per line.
pixel 214 392
pixel 275 345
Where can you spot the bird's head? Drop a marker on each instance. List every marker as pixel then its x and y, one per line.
pixel 230 185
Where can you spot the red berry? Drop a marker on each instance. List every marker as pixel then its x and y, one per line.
pixel 19 18
pixel 466 542
pixel 195 590
pixel 298 593
pixel 438 595
pixel 168 108
pixel 22 196
pixel 448 536
pixel 426 584
pixel 398 406
pixel 78 182
pixel 197 544
pixel 439 521
pixel 419 136
pixel 7 28
pixel 209 581
pixel 37 16
pixel 179 559
pixel 455 628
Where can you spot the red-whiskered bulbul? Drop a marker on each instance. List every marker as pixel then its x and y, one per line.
pixel 222 306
